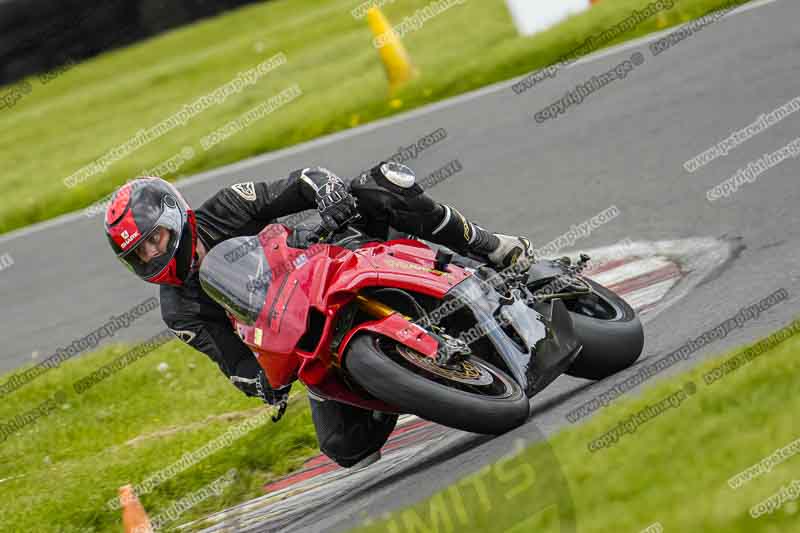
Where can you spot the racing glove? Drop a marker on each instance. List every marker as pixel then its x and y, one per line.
pixel 335 203
pixel 259 386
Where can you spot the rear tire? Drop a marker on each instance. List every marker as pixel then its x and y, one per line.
pixel 412 388
pixel 610 343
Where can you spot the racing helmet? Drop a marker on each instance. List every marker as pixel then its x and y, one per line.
pixel 135 212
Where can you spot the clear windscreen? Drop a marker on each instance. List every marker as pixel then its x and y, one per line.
pixel 236 274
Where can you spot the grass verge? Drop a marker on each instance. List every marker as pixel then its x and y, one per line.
pixel 80 114
pixel 670 473
pixel 58 472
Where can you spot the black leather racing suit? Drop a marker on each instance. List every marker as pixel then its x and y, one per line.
pixel 346 434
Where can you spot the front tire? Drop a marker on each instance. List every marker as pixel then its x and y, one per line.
pixel 379 365
pixel 610 331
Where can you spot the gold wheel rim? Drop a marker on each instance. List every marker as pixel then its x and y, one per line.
pixel 466 372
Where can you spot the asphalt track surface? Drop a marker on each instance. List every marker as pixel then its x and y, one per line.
pixel 624 145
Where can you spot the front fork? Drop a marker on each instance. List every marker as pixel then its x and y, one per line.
pixel 450 351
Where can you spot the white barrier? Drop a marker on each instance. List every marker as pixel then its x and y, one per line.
pixel 531 16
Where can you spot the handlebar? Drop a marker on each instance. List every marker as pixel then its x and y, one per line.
pixel 320 233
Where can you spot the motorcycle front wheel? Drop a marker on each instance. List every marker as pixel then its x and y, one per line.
pixel 610 331
pixel 471 395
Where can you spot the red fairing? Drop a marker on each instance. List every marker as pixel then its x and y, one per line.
pixel 330 278
pixel 282 321
pixel 397 328
pixel 402 263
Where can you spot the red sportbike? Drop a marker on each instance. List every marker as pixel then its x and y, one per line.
pixel 400 327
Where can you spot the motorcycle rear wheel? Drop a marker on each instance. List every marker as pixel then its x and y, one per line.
pixel 474 396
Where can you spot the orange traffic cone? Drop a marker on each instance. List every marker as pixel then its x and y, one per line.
pixel 134 517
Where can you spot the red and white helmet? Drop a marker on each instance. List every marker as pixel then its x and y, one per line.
pixel 136 210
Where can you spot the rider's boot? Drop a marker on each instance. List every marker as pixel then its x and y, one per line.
pixel 464 236
pixel 511 251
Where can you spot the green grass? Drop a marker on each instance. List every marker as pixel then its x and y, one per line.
pixel 67 123
pixel 673 470
pixel 59 472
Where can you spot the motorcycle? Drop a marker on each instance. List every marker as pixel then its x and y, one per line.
pixel 399 327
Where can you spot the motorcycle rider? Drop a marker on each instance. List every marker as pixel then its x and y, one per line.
pixel 155 233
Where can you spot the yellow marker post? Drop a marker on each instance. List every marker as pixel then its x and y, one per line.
pixel 393 54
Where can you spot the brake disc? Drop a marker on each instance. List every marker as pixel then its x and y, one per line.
pixel 463 371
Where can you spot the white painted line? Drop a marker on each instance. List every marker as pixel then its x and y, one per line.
pixel 750 6
pixel 397 119
pixel 402 420
pixel 606 52
pixel 66 218
pixel 649 295
pixel 631 270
